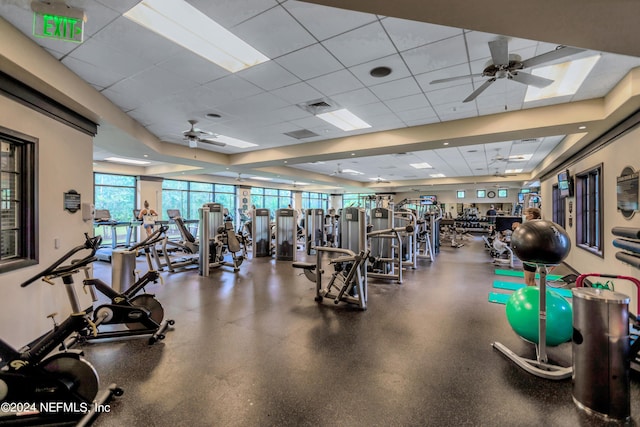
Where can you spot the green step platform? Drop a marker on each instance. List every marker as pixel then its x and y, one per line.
pixel 510 286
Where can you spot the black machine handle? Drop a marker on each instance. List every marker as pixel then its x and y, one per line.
pixel 152 239
pixel 57 269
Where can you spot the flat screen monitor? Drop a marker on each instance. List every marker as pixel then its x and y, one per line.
pixel 565 184
pixel 428 200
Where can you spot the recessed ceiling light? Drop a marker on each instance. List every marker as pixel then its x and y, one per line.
pixel 446 143
pixel 127 161
pixel 513 171
pixel 437 175
pixel 582 127
pixel 380 71
pixel 145 156
pixel 185 25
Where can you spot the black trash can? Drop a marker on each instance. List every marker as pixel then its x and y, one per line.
pixel 601 353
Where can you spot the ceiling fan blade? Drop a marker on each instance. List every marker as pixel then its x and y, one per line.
pixel 530 79
pixel 478 91
pixel 499 51
pixel 560 52
pixel 452 79
pixel 212 142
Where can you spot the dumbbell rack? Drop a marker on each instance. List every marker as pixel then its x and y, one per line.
pixel 540 366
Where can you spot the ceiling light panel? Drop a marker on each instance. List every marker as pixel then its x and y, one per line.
pixel 567 78
pixel 185 25
pixel 344 119
pixel 127 161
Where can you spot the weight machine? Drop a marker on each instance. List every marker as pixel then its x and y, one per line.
pixel 217 243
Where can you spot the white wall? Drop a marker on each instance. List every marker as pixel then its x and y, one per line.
pixel 64 163
pixel 615 156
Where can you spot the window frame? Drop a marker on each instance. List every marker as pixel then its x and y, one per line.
pixel 28 243
pixel 558 207
pixel 589 206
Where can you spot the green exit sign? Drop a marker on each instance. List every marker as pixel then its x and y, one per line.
pixel 58 27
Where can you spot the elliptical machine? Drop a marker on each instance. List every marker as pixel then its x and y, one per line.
pixel 38 388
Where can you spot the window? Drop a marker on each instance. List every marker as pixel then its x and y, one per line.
pixel 18 224
pixel 558 207
pixel 116 193
pixel 270 198
pixel 481 194
pixel 189 196
pixel 460 194
pixel 502 193
pixel 315 201
pixel 355 199
pixel 588 195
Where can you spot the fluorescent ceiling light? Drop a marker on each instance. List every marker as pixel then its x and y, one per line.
pixel 261 178
pixel 437 175
pixel 513 171
pixel 352 172
pixel 127 161
pixel 232 141
pixel 344 119
pixel 185 25
pixel 421 165
pixel 567 78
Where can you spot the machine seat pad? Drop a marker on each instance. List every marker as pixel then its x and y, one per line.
pixel 304 265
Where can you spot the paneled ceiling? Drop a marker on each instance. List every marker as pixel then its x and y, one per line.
pixel 324 53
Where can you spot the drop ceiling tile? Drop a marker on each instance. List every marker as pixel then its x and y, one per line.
pixel 153 83
pixel 95 76
pixel 324 22
pixel 450 96
pixel 109 59
pixel 232 87
pixel 335 83
pixel 418 116
pixel 257 104
pixel 297 93
pixel 407 34
pixel 274 33
pixel 405 103
pixel 396 89
pixel 125 35
pixel 188 65
pixel 354 98
pixel 311 61
pixel 268 76
pixel 361 45
pixel 441 54
pixel 229 13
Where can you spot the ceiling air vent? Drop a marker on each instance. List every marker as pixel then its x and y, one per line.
pixel 526 141
pixel 319 106
pixel 301 134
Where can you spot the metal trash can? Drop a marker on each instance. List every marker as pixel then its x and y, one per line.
pixel 123 264
pixel 601 352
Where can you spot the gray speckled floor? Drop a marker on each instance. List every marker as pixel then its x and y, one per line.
pixel 254 349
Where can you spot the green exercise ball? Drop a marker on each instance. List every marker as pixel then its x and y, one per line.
pixel 522 314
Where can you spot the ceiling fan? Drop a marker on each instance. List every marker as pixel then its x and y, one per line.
pixel 338 171
pixel 499 174
pixel 380 180
pixel 510 65
pixel 239 178
pixel 194 135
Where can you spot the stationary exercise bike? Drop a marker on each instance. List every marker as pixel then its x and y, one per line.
pixel 141 314
pixel 32 382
